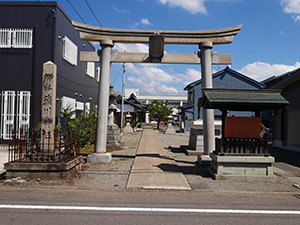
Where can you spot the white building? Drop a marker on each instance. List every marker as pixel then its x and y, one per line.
pixel 175 101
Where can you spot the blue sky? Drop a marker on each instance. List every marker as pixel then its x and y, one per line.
pixel 267 45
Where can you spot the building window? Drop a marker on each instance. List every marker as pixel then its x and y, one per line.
pixel 90 69
pixel 16 38
pixel 87 108
pixel 69 51
pixel 5 38
pixel 7 114
pixel 23 110
pixel 98 73
pixel 68 104
pixel 14 112
pixel 80 106
pixel 190 97
pixel 22 38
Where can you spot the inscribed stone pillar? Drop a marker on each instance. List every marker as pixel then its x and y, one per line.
pixel 48 104
pixel 208 114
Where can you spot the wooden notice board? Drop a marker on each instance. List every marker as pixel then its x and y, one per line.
pixel 242 127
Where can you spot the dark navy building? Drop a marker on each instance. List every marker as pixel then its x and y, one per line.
pixel 32 33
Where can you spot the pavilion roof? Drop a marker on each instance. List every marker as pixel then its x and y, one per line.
pixel 243 100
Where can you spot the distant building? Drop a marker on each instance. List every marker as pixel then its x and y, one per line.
pixel 224 79
pixel 174 101
pixel 32 33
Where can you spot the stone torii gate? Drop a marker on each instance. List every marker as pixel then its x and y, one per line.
pixel 156 40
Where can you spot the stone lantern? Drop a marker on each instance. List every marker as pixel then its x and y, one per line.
pixel 170 128
pixel 128 128
pixel 113 136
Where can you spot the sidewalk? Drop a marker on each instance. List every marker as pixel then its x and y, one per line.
pixel 154 167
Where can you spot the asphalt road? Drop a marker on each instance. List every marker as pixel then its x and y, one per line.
pixel 57 206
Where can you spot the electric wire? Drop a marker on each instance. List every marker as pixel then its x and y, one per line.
pixel 150 81
pixel 117 74
pixel 80 84
pixel 76 11
pixel 93 13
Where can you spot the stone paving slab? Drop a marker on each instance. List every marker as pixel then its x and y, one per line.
pixel 154 167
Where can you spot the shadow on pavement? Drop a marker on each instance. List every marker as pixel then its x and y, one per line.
pixel 285 155
pixel 193 170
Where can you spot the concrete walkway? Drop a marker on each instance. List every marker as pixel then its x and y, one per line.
pixel 154 167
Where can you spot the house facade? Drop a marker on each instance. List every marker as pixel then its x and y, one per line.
pixel 224 79
pixel 32 33
pixel 286 122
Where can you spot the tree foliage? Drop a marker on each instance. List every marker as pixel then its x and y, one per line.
pixel 86 124
pixel 159 111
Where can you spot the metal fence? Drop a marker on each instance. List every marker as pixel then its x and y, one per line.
pixel 241 146
pixel 29 147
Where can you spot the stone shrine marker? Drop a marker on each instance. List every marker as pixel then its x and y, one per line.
pixel 48 104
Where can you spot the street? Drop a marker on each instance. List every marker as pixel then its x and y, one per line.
pixel 62 206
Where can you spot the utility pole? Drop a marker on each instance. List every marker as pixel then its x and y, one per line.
pixel 123 93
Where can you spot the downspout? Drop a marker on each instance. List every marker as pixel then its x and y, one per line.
pixel 33 76
pixel 53 35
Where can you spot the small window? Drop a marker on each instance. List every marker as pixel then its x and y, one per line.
pixel 87 107
pixel 90 69
pixel 22 38
pixel 5 38
pixel 69 51
pixel 98 73
pixel 68 104
pixel 80 106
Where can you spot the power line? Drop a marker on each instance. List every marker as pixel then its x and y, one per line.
pixel 150 81
pixel 117 74
pixel 80 84
pixel 93 13
pixel 76 11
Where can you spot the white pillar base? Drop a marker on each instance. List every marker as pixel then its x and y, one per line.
pixel 204 160
pixel 99 157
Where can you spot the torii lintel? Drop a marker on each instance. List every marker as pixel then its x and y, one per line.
pixel 217 36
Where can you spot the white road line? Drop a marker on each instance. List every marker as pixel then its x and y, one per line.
pixel 168 210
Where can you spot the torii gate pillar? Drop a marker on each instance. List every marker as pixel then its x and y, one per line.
pixel 208 114
pixel 100 154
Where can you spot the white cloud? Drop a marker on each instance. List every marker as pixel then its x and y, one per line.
pixel 191 75
pixel 291 7
pixel 192 6
pixel 145 21
pixel 152 79
pixel 260 70
pixel 142 21
pixel 119 10
pixel 138 48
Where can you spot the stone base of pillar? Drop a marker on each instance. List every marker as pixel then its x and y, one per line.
pixel 196 139
pixel 99 157
pixel 113 136
pixel 170 129
pixel 128 128
pixel 204 160
pixel 248 168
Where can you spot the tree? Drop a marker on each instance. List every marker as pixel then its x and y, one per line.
pixel 159 111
